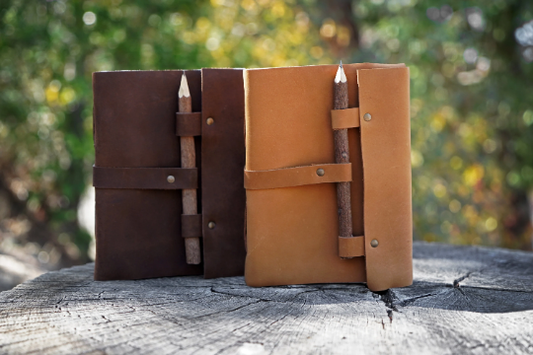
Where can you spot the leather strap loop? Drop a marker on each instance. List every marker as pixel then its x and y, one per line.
pixel 145 178
pixel 191 225
pixel 346 118
pixel 297 176
pixel 188 124
pixel 352 247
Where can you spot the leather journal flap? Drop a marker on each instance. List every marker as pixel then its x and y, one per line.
pixel 297 176
pixel 188 124
pixel 145 178
pixel 223 194
pixel 345 118
pixel 386 147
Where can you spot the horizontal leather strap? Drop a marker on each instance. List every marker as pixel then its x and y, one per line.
pixel 188 124
pixel 297 176
pixel 145 178
pixel 191 225
pixel 346 118
pixel 351 247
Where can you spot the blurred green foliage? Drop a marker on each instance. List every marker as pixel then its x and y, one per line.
pixel 472 130
pixel 472 114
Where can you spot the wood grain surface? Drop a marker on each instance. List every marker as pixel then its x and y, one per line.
pixel 465 300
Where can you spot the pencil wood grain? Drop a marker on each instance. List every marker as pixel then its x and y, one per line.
pixel 188 160
pixel 342 156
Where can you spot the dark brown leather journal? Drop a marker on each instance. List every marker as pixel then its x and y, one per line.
pixel 138 177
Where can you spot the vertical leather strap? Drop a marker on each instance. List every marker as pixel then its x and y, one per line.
pixel 223 152
pixel 386 151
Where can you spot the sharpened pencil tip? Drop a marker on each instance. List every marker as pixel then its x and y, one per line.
pixel 184 87
pixel 340 77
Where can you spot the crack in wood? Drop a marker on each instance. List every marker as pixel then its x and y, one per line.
pixel 388 297
pixel 456 281
pixel 390 314
pixel 408 301
pixel 227 310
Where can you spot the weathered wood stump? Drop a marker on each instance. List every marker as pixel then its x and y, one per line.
pixel 464 300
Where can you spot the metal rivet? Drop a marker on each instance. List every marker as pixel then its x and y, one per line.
pixel 374 243
pixel 320 172
pixel 367 116
pixel 170 179
pixel 209 121
pixel 211 225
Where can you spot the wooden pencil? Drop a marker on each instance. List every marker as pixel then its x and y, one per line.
pixel 188 160
pixel 342 155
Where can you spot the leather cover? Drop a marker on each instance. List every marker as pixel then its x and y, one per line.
pixel 139 221
pixel 292 231
pixel 223 194
pixel 191 225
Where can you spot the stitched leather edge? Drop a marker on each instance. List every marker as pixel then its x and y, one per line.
pixel 145 178
pixel 352 247
pixel 191 225
pixel 188 124
pixel 297 176
pixel 345 118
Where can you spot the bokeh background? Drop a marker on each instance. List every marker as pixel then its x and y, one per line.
pixel 471 102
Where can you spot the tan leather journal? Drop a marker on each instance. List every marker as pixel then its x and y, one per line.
pixel 290 176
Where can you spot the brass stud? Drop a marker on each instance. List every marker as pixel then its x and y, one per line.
pixel 367 116
pixel 374 243
pixel 171 179
pixel 211 225
pixel 210 121
pixel 320 172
